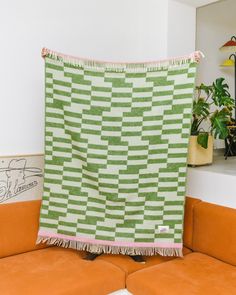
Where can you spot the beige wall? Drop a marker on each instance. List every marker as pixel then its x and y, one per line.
pixel 216 23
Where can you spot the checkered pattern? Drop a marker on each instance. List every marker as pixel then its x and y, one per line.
pixel 115 151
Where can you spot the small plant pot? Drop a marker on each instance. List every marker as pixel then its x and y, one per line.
pixel 197 155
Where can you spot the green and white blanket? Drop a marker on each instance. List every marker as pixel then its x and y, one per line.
pixel 116 141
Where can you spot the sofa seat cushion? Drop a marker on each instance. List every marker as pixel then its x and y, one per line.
pixel 215 231
pixel 58 271
pixel 19 223
pixel 195 274
pixel 128 265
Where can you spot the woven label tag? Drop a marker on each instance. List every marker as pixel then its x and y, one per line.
pixel 163 229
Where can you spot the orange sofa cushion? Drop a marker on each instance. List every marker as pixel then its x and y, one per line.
pixel 196 274
pixel 128 265
pixel 215 231
pixel 58 271
pixel 19 227
pixel 188 221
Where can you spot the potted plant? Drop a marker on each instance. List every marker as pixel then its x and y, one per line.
pixel 212 112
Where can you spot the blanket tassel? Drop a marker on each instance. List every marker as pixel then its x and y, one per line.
pixel 77 245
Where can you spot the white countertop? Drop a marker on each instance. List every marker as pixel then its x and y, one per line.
pixel 214 183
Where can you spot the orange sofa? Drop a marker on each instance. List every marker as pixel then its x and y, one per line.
pixel 208 265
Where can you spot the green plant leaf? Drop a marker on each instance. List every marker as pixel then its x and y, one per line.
pixel 202 139
pixel 201 108
pixel 207 89
pixel 221 95
pixel 219 121
pixel 194 127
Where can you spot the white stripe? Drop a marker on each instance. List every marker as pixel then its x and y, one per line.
pixel 168 174
pixel 115 212
pixel 61 97
pixel 92 117
pixel 129 185
pixel 67 228
pixel 153 123
pixel 81 86
pixel 55 111
pixel 50 221
pixel 61 144
pixel 91 127
pixel 181 189
pixel 58 209
pixel 63 88
pixel 132 128
pixel 112 123
pixel 114 75
pixel 137 216
pixel 111 203
pixel 49 90
pixel 137 162
pixel 96 205
pixel 128 176
pixel 157 74
pixel 49 80
pixel 74 71
pixel 163 88
pixel 108 190
pixel 101 93
pixel 138 153
pixel 132 119
pixel 177 150
pixel 172 126
pixel 117 157
pixel 70 183
pixel 111 133
pixel 125 230
pixel 86 97
pixel 151 132
pixel 101 103
pixel 158 146
pixel 168 184
pixel 176 160
pixel 173 117
pixel 105 233
pixel 54 120
pixel 143 95
pixel 62 154
pixel 86 226
pixel 52 176
pixel 157 156
pixel 182 101
pixel 118 148
pixel 172 217
pixel 72 174
pixel 173 207
pixel 96 151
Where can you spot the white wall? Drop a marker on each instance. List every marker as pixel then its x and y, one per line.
pixel 181 28
pixel 118 30
pixel 216 24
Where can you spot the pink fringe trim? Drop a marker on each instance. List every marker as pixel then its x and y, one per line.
pixel 174 61
pixel 99 246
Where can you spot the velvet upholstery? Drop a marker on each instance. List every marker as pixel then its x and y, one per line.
pixel 58 271
pixel 188 221
pixel 209 230
pixel 18 227
pixel 128 265
pixel 215 231
pixel 195 274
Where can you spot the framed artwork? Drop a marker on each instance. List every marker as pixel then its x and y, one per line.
pixel 21 178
